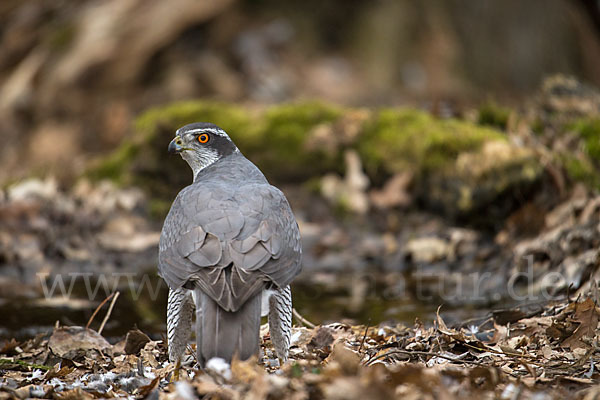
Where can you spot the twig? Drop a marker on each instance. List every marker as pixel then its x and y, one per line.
pixel 98 309
pixel 362 343
pixel 422 353
pixel 499 352
pixel 529 368
pixel 193 353
pixel 486 318
pixel 112 304
pixel 302 320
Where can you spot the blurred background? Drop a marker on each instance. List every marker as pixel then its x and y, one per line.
pixel 420 144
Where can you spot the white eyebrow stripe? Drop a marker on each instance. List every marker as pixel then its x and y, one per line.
pixel 213 131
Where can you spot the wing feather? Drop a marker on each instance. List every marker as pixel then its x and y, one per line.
pixel 251 260
pixel 230 240
pixel 208 254
pixel 191 241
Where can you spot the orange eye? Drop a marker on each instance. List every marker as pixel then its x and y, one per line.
pixel 203 138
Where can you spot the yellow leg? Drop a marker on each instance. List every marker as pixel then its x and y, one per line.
pixel 176 372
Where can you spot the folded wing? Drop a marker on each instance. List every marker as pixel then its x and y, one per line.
pixel 231 243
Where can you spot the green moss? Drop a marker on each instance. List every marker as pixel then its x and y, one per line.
pixel 275 139
pixel 283 133
pixel 145 151
pixel 287 125
pixel 234 119
pixel 486 184
pixel 6 364
pixel 297 371
pixel 61 36
pixel 297 142
pixel 158 208
pixel 537 126
pixel 494 115
pixel 581 171
pixel 313 185
pixel 113 166
pixel 589 131
pixel 396 140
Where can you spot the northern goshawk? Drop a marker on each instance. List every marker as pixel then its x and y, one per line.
pixel 230 245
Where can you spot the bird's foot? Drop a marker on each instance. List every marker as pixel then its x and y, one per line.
pixel 282 361
pixel 175 376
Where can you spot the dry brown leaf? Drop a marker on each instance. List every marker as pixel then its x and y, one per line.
pixel 150 354
pixel 72 341
pixel 322 339
pixel 245 371
pixel 144 391
pixel 343 360
pixel 74 394
pixel 587 315
pixel 531 326
pixel 135 341
pixel 395 192
pixel 9 347
pixel 506 316
pixel 58 372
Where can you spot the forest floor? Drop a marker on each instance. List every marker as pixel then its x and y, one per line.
pixel 541 350
pixel 381 264
pixel 550 353
pixel 401 209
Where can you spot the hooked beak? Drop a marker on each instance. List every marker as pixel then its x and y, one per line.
pixel 175 146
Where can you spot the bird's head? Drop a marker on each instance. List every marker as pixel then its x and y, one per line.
pixel 201 144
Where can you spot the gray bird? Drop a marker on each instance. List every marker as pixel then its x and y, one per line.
pixel 230 245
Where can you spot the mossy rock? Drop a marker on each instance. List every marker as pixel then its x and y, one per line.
pixel 282 151
pixel 273 138
pixel 566 118
pixel 588 130
pixel 400 139
pixel 581 160
pixel 142 159
pixel 491 114
pixel 580 170
pixel 464 170
pixel 485 185
pixel 236 120
pixel 281 141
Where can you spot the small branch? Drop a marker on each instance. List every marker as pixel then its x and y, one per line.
pixel 362 343
pixel 302 320
pixel 110 308
pixel 97 309
pixel 499 352
pixel 193 353
pixel 421 353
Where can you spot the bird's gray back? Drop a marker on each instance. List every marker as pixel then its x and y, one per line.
pixel 231 171
pixel 231 233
